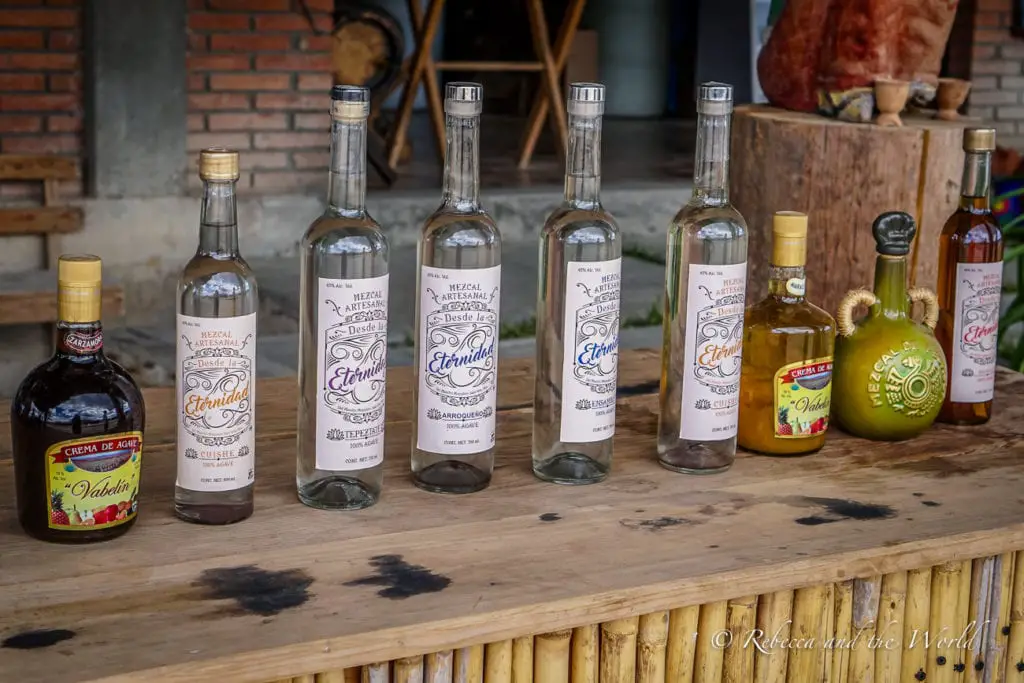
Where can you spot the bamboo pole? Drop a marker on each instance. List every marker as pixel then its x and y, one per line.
pixel 353 674
pixel 377 673
pixel 843 633
pixel 583 668
pixel 774 613
pixel 828 625
pixel 618 651
pixel 866 593
pixel 333 676
pixel 943 651
pixel 682 643
pixel 409 670
pixel 469 664
pixel 740 620
pixel 438 667
pixel 498 662
pixel 551 657
pixel 304 678
pixel 709 656
pixel 522 660
pixel 806 657
pixel 1015 644
pixel 979 616
pixel 915 624
pixel 1002 591
pixel 651 643
pixel 889 630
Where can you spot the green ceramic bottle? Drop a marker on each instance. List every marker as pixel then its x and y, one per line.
pixel 889 377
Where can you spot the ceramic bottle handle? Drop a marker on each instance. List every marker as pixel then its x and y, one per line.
pixel 844 316
pixel 931 305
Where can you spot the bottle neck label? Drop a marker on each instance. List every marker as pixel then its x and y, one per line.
pixel 80 342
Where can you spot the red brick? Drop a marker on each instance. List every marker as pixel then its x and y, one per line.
pixel 54 18
pixel 991 19
pixel 38 102
pixel 196 122
pixel 288 140
pixel 251 5
pixel 294 62
pixel 993 36
pixel 292 101
pixel 1010 82
pixel 64 124
pixel 217 21
pixel 1012 51
pixel 316 43
pixel 996 67
pixel 312 159
pixel 984 83
pixel 292 22
pixel 250 82
pixel 1005 113
pixel 287 180
pixel 65 83
pixel 217 101
pixel 261 160
pixel 21 40
pixel 197 42
pixel 984 51
pixel 44 144
pixel 320 122
pixel 249 42
pixel 197 5
pixel 48 61
pixel 21 124
pixel 198 141
pixel 322 81
pixel 64 3
pixel 197 82
pixel 995 97
pixel 320 5
pixel 998 5
pixel 211 62
pixel 253 121
pixel 15 82
pixel 63 40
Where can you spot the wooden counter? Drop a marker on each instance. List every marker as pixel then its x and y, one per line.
pixel 631 579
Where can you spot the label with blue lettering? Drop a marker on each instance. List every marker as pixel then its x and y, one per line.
pixel 352 363
pixel 590 350
pixel 458 359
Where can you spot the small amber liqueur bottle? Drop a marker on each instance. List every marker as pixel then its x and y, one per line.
pixel 76 425
pixel 970 286
pixel 786 375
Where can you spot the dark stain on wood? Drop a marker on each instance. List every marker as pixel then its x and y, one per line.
pixel 931 503
pixel 656 524
pixel 641 389
pixel 917 494
pixel 33 640
pixel 838 509
pixel 550 517
pixel 936 466
pixel 255 590
pixel 400 579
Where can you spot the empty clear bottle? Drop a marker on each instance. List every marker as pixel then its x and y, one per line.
pixel 216 345
pixel 706 276
pixel 343 321
pixel 578 313
pixel 458 285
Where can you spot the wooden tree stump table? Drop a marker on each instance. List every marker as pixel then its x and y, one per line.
pixel 843 175
pixel 866 561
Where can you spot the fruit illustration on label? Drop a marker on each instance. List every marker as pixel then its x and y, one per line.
pixel 57 514
pixel 785 429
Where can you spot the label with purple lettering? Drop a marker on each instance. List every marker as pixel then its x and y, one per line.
pixel 590 352
pixel 352 363
pixel 458 362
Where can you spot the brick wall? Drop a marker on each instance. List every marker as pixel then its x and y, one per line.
pixel 258 82
pixel 40 80
pixel 997 93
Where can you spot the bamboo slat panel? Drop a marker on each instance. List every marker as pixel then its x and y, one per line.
pixel 578 579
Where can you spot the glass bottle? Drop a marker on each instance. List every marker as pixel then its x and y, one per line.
pixel 458 285
pixel 705 286
pixel 343 322
pixel 76 425
pixel 970 287
pixel 578 313
pixel 786 384
pixel 216 362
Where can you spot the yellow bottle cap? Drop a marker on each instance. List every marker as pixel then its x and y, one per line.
pixel 789 239
pixel 79 287
pixel 217 163
pixel 979 139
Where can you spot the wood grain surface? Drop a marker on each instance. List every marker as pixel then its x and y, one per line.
pixel 294 591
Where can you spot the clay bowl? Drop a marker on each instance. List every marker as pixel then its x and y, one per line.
pixel 951 94
pixel 890 98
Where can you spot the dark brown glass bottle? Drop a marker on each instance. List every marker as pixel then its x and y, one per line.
pixel 76 426
pixel 970 285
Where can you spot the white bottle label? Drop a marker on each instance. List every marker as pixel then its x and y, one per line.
pixel 458 359
pixel 351 371
pixel 975 324
pixel 590 351
pixel 216 391
pixel 714 345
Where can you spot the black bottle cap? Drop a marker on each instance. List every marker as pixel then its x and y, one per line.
pixel 893 231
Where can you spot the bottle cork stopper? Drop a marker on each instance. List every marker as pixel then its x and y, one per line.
pixel 217 163
pixel 79 284
pixel 789 239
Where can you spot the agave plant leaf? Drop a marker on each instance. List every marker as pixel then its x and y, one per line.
pixel 1013 253
pixel 1014 314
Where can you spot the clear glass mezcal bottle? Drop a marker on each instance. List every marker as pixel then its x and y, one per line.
pixel 343 321
pixel 216 345
pixel 578 313
pixel 705 285
pixel 458 284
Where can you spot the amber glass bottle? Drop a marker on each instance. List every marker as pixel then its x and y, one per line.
pixel 970 285
pixel 76 426
pixel 786 376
